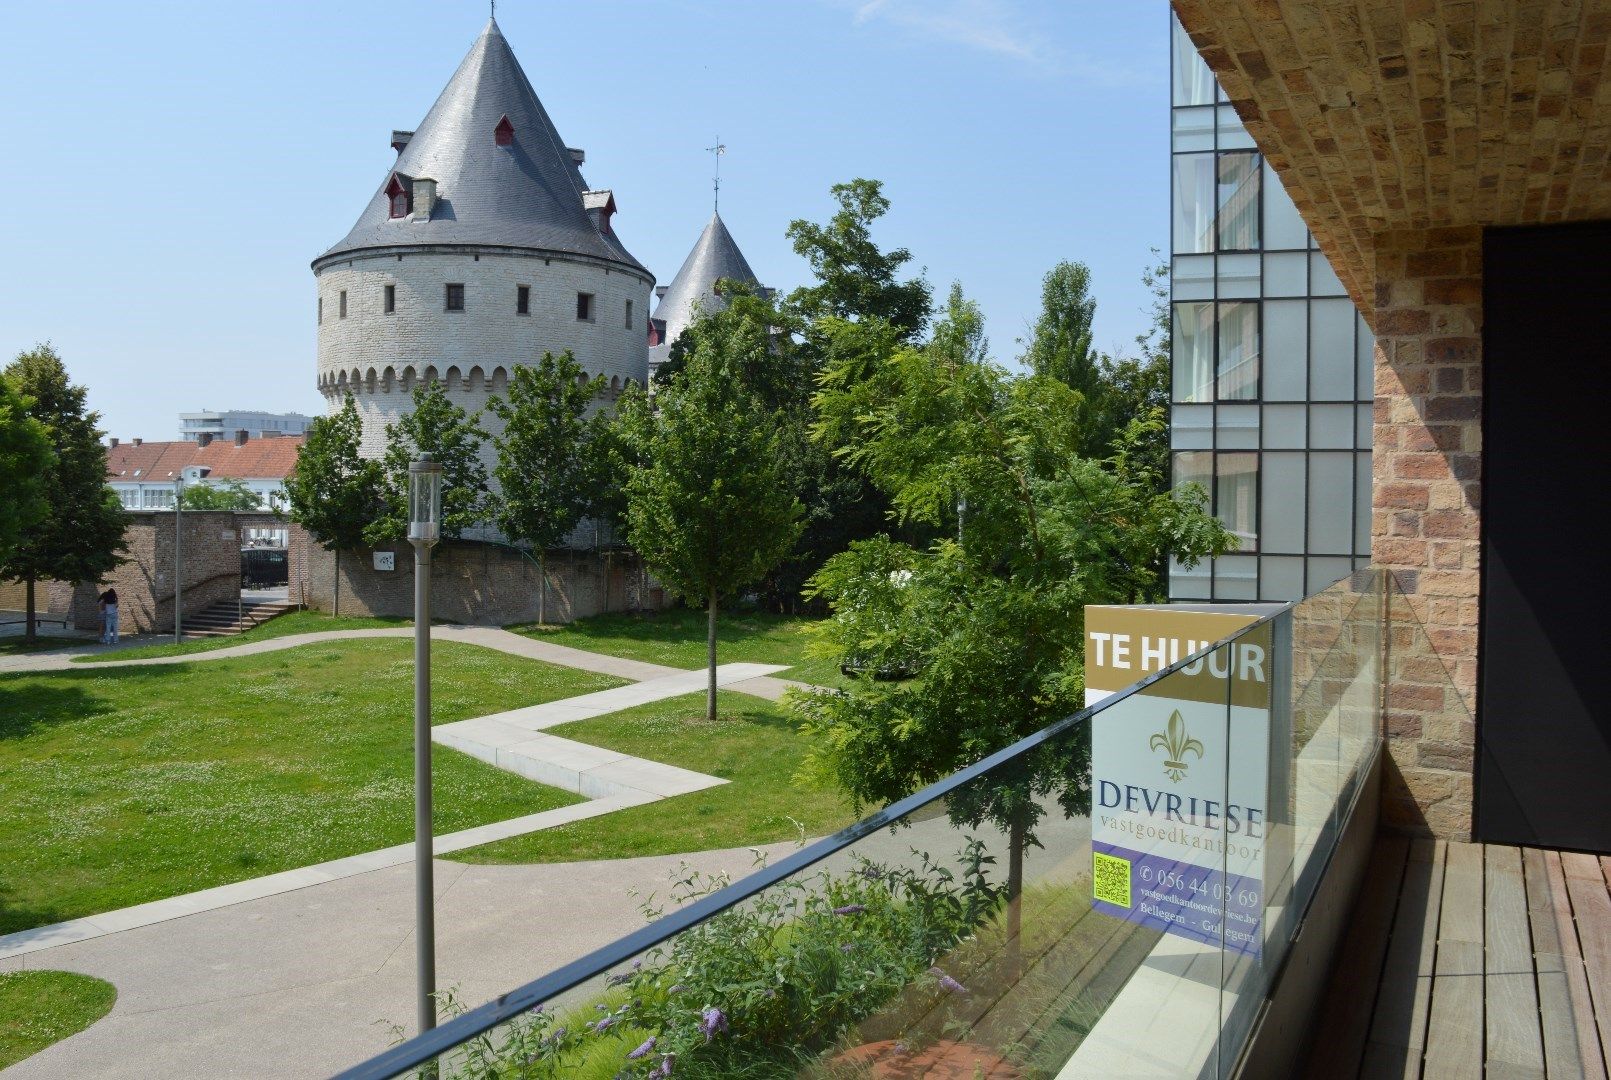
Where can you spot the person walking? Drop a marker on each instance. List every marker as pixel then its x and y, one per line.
pixel 109 617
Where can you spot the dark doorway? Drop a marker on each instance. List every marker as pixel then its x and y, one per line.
pixel 1544 706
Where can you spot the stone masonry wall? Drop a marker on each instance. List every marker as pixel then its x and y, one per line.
pixel 209 558
pixel 1427 458
pixel 477 583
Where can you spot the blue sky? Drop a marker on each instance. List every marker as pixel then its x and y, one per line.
pixel 173 168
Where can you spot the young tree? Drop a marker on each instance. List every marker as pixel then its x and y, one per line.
pixel 709 510
pixel 335 492
pixel 24 455
pixel 80 537
pixel 451 436
pixel 546 456
pixel 220 495
pixel 991 617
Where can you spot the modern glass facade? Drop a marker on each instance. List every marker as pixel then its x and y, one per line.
pixel 1273 371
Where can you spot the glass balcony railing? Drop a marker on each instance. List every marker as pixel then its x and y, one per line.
pixel 1158 854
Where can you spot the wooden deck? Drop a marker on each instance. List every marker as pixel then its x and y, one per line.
pixel 1472 960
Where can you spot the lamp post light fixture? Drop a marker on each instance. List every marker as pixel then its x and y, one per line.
pixel 424 530
pixel 178 569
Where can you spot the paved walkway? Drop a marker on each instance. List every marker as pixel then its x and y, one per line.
pixel 150 951
pixel 305 983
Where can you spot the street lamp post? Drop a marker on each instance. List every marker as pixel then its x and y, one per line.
pixel 178 569
pixel 424 530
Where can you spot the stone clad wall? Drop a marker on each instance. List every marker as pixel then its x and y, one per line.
pixel 477 583
pixel 1427 521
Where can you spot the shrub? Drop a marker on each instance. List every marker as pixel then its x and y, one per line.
pixel 754 991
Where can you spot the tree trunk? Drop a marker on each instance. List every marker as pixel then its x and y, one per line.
pixel 335 605
pixel 710 658
pixel 542 587
pixel 29 633
pixel 1017 841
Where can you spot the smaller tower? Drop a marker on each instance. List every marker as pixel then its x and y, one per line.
pixel 715 257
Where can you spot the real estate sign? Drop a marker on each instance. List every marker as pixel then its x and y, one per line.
pixel 1180 773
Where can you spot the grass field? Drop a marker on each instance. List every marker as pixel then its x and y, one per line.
pixel 295 622
pixel 125 785
pixel 38 1008
pixel 676 638
pixel 753 744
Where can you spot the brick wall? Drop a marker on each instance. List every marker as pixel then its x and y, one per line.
pixel 487 584
pixel 1427 458
pixel 210 561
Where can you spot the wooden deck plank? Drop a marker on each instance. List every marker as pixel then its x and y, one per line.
pixel 1350 1002
pixel 1562 1058
pixel 1398 1030
pixel 1455 1025
pixel 1515 1042
pixel 1577 980
pixel 1591 912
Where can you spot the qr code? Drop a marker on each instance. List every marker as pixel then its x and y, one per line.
pixel 1110 879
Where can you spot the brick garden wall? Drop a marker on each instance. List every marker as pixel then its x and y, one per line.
pixel 209 559
pixel 1427 457
pixel 472 582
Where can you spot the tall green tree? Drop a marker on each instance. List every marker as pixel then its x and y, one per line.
pixel 1138 386
pixel 80 537
pixel 220 495
pixel 1060 348
pixel 709 509
pixel 990 616
pixel 855 279
pixel 453 438
pixel 24 455
pixel 546 467
pixel 333 490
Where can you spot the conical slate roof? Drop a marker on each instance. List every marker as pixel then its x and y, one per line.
pixel 715 256
pixel 527 194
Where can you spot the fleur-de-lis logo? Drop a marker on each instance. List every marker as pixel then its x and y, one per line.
pixel 1174 742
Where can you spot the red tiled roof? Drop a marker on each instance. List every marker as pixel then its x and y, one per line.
pixel 258 459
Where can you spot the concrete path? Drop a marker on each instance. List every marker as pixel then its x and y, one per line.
pixel 305 983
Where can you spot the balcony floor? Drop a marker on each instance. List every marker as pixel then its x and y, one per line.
pixel 1472 960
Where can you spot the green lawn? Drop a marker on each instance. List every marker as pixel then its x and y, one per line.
pixel 38 1008
pixel 295 622
pixel 125 785
pixel 753 744
pixel 676 638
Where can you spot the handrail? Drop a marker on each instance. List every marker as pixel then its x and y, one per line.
pixel 430 1045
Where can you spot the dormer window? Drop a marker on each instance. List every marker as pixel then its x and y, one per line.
pixel 398 196
pixel 504 133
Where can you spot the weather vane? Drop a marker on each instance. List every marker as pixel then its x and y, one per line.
pixel 718 150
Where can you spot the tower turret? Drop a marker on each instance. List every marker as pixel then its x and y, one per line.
pixel 481 249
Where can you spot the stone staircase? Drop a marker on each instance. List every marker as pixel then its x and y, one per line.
pixel 225 619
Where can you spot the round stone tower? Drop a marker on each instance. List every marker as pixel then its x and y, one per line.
pixel 482 249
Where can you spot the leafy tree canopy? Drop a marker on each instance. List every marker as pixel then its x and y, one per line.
pixel 220 495
pixel 543 467
pixel 334 492
pixel 453 438
pixel 855 278
pixel 80 536
pixel 25 454
pixel 990 617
